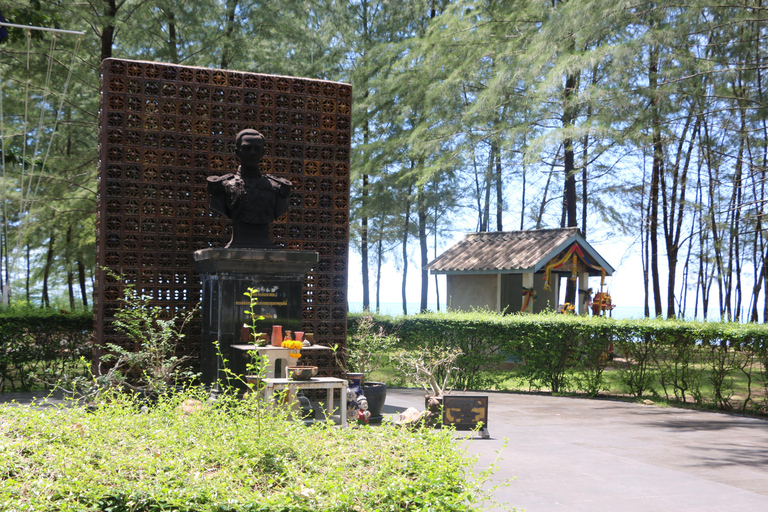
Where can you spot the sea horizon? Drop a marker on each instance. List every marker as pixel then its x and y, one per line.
pixel 619 312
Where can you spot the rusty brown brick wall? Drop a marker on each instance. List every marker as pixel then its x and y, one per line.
pixel 165 128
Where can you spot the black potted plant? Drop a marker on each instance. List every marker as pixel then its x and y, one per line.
pixel 368 349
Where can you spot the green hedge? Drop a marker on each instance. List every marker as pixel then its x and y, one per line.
pixel 570 353
pixel 36 341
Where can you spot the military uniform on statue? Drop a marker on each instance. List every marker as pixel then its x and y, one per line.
pixel 250 199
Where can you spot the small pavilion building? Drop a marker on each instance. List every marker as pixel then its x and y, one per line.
pixel 519 270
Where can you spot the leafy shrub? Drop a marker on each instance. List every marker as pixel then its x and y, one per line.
pixel 429 367
pixel 39 342
pixel 368 345
pixel 152 365
pixel 190 454
pixel 480 336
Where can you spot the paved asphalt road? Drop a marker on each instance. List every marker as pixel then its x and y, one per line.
pixel 570 454
pixel 576 455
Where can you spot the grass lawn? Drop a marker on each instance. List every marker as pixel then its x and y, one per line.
pixel 737 384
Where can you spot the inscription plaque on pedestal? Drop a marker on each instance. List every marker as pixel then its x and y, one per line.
pixel 466 413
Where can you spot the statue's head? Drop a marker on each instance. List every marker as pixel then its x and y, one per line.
pixel 249 147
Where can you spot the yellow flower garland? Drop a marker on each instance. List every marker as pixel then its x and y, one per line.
pixel 294 346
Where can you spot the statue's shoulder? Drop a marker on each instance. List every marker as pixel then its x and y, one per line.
pixel 281 185
pixel 278 180
pixel 219 179
pixel 225 183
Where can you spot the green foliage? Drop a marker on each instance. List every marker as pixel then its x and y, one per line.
pixel 476 335
pixel 368 345
pixel 191 454
pixel 36 343
pixel 151 364
pixel 430 367
pixel 253 299
pixel 695 361
pixel 640 352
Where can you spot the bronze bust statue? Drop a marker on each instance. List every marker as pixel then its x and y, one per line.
pixel 251 199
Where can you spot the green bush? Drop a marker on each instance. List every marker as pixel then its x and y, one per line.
pixel 36 342
pixel 191 454
pixel 695 361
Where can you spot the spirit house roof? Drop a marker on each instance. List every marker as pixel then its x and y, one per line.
pixel 514 252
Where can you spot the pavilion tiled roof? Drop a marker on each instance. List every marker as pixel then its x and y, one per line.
pixel 510 251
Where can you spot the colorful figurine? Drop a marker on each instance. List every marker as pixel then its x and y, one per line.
pixel 363 414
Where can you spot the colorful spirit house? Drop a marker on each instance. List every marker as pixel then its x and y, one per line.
pixel 519 270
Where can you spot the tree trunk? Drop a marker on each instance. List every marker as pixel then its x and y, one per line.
pixel 499 189
pixel 69 270
pixel 46 302
pixel 379 257
pixel 765 285
pixel 674 208
pixel 230 27
pixel 364 218
pixel 543 204
pixel 657 170
pixel 487 203
pixel 569 190
pixel 406 227
pixel 108 32
pixel 173 45
pixel 569 193
pixel 522 192
pixel 2 249
pixel 644 254
pixel 364 245
pixel 584 156
pixel 422 215
pixel 29 300
pixel 437 288
pixel 478 192
pixel 736 226
pixel 81 279
pixel 712 221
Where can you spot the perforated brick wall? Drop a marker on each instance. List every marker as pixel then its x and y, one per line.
pixel 163 130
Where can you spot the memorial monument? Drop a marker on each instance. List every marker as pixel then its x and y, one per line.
pixel 164 130
pixel 252 200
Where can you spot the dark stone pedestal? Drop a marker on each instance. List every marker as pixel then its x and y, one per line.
pixel 226 274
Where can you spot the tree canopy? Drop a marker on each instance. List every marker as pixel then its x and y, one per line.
pixel 640 119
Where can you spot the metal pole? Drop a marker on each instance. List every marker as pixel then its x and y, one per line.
pixel 45 29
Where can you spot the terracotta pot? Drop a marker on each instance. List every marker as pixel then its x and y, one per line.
pixel 277 335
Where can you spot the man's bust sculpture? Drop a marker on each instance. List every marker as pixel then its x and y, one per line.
pixel 251 199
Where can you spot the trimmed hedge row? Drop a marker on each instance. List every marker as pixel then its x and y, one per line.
pixel 36 342
pixel 570 353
